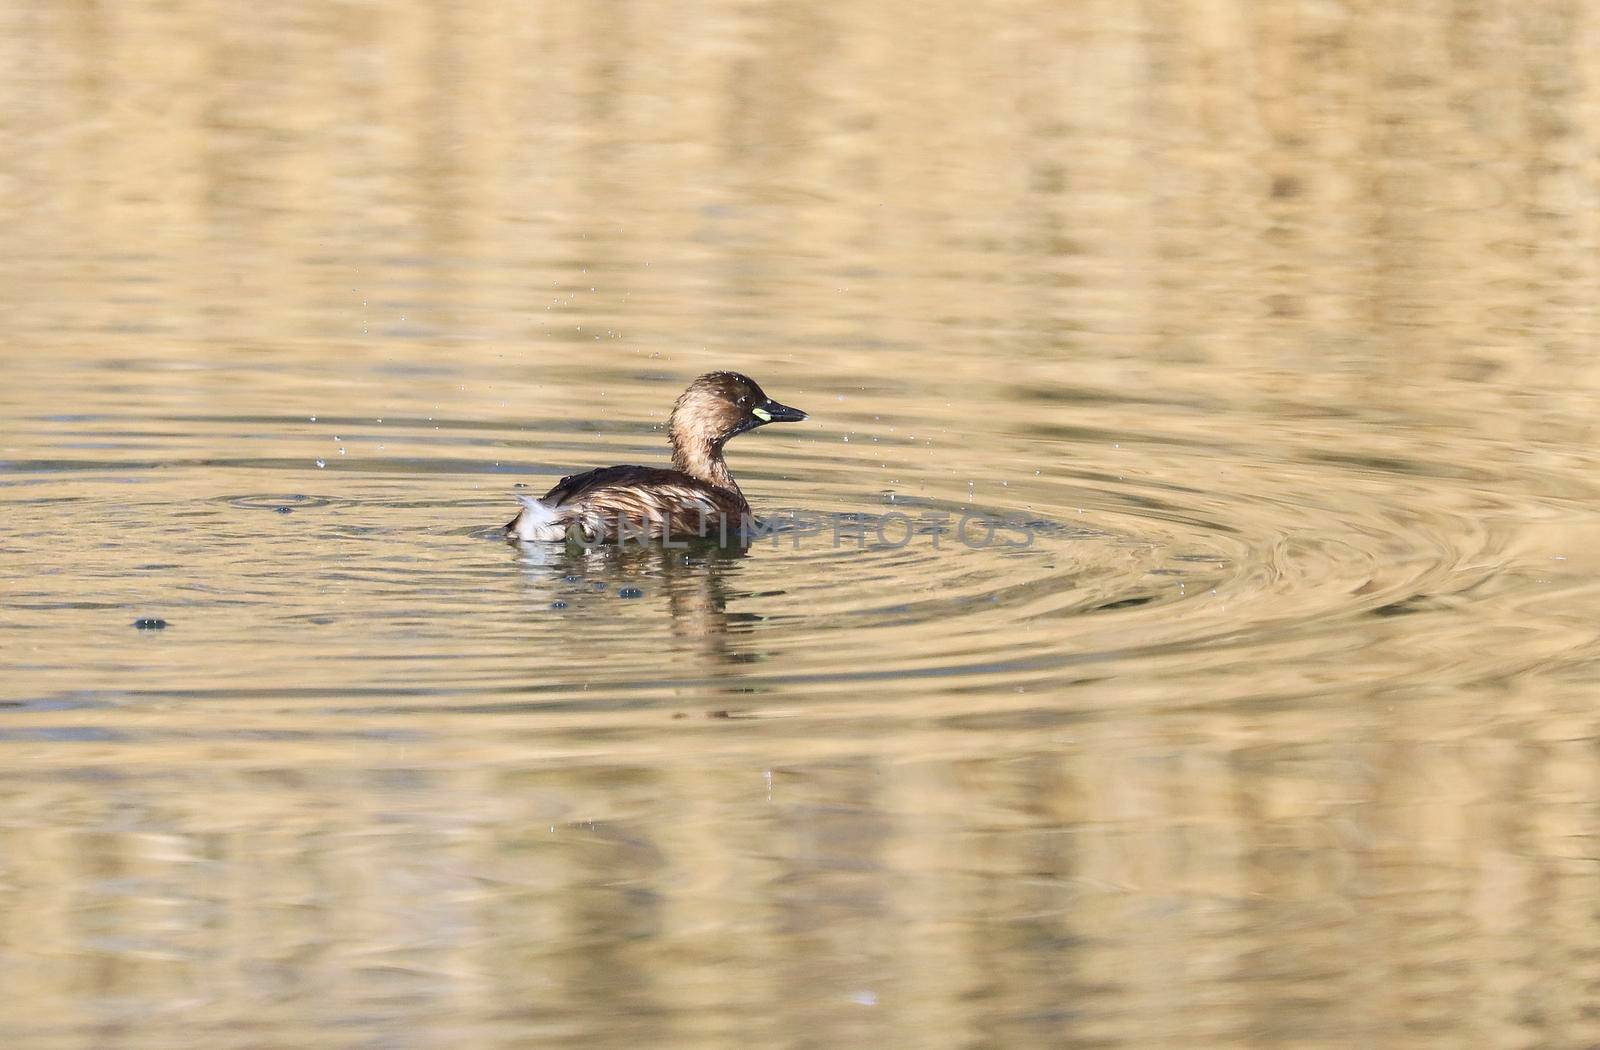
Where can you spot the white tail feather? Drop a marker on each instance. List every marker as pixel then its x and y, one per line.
pixel 537 521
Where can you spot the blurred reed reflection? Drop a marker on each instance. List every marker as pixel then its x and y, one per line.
pixel 1305 894
pixel 1273 321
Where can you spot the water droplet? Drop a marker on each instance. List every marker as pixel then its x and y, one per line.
pixel 150 623
pixel 630 592
pixel 321 463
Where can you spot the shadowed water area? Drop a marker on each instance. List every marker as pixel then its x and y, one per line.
pixel 1271 327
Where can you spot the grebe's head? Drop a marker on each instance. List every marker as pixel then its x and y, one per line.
pixel 721 405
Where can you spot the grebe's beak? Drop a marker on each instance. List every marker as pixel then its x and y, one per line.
pixel 770 411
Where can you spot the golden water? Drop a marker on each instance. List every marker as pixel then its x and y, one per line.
pixel 1274 325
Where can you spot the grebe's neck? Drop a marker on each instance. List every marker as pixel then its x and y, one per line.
pixel 701 458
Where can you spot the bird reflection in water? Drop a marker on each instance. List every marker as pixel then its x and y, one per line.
pixel 694 581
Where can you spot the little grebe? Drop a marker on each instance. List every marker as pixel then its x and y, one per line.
pixel 698 498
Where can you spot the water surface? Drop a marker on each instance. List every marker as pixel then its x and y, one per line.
pixel 1271 326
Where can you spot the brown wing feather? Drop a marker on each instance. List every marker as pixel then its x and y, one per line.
pixel 648 501
pixel 576 486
